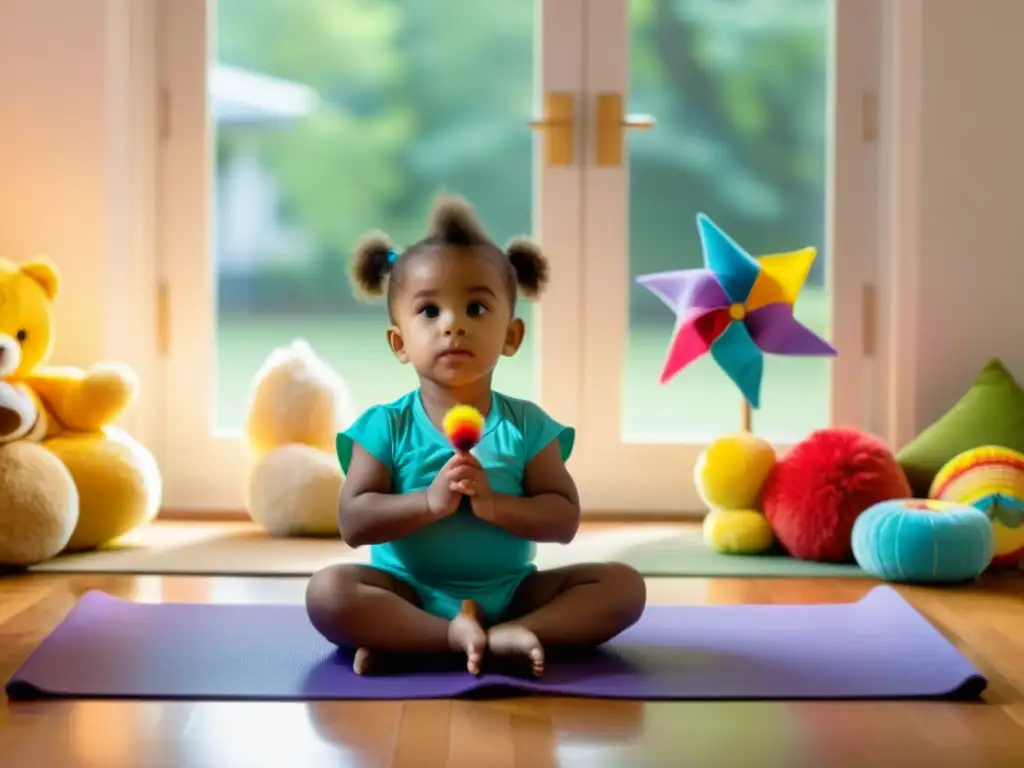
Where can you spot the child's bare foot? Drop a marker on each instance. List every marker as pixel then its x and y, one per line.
pixel 514 640
pixel 362 664
pixel 466 635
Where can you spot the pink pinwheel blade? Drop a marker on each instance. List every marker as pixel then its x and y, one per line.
pixel 693 337
pixel 774 329
pixel 685 289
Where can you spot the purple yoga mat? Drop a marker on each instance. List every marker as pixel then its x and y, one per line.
pixel 879 647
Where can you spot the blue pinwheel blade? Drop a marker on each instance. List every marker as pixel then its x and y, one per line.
pixel 738 355
pixel 735 269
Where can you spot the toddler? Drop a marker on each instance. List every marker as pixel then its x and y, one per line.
pixel 452 535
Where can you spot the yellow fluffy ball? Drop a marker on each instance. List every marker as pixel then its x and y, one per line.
pixel 737 532
pixel 730 472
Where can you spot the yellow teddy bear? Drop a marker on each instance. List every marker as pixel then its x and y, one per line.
pixel 68 480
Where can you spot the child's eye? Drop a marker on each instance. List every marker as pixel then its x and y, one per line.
pixel 430 310
pixel 476 309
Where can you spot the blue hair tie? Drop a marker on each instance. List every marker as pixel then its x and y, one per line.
pixel 392 256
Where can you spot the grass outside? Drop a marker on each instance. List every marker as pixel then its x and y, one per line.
pixel 698 403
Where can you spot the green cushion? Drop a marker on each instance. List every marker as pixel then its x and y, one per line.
pixel 990 413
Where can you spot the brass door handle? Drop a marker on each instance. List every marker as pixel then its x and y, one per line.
pixel 559 127
pixel 612 123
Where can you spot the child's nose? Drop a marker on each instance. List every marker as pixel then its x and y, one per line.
pixel 451 323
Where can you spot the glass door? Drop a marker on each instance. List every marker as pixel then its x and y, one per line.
pixel 751 113
pixel 293 127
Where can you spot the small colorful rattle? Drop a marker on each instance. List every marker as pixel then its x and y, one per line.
pixel 463 425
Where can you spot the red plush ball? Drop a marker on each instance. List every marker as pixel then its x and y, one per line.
pixel 814 494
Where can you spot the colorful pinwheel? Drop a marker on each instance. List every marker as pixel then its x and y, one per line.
pixel 737 307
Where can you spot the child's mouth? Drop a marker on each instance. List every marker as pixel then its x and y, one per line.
pixel 456 354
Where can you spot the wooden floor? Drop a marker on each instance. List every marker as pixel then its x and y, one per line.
pixel 985 621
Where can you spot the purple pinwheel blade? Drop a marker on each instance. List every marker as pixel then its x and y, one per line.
pixel 774 329
pixel 685 289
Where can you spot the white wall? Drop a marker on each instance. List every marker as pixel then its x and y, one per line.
pixel 53 156
pixel 970 295
pixel 69 186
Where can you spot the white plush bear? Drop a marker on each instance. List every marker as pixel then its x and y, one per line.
pixel 298 404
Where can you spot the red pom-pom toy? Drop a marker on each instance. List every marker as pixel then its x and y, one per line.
pixel 816 492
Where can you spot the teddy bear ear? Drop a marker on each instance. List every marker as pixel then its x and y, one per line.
pixel 45 273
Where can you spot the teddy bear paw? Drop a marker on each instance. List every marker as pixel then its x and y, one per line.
pixel 104 392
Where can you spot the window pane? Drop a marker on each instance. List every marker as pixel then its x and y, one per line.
pixel 333 117
pixel 739 90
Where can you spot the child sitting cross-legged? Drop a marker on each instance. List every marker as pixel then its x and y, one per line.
pixel 453 535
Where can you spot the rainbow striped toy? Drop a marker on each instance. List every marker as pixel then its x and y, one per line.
pixel 463 425
pixel 990 478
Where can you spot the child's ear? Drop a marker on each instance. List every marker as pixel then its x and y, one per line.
pixel 514 336
pixel 397 344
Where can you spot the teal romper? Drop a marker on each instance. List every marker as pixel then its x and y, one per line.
pixel 459 557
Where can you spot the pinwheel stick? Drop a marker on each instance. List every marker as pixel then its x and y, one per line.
pixel 745 416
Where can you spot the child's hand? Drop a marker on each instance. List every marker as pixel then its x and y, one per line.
pixel 473 483
pixel 444 494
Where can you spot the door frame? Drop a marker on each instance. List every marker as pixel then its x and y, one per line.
pixel 205 470
pixel 657 477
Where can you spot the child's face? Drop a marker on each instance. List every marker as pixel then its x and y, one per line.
pixel 453 317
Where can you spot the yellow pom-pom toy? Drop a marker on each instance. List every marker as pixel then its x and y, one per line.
pixel 737 532
pixel 463 425
pixel 730 472
pixel 729 475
